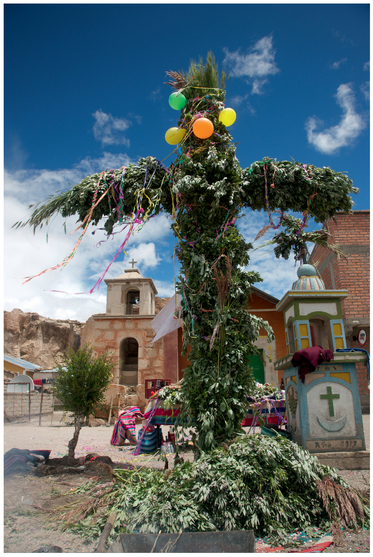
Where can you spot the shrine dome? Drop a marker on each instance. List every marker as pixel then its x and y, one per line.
pixel 308 279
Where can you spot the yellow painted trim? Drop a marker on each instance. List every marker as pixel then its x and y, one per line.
pixel 344 375
pixel 304 343
pixel 337 330
pixel 294 379
pixel 339 344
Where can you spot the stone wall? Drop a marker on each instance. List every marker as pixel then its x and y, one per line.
pixel 106 335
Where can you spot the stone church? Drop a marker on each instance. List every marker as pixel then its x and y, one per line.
pixel 125 333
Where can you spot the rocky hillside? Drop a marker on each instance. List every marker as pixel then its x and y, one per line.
pixel 41 340
pixel 38 339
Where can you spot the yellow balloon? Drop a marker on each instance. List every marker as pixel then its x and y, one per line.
pixel 174 135
pixel 227 116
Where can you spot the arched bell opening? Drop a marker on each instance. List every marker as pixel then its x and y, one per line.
pixel 128 362
pixel 132 301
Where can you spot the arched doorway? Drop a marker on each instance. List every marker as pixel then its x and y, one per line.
pixel 128 362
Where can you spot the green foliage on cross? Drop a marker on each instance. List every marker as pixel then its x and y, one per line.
pixel 205 191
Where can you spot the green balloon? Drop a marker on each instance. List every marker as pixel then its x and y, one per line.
pixel 177 101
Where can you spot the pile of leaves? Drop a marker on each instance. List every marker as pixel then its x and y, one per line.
pixel 270 485
pixel 267 390
pixel 171 395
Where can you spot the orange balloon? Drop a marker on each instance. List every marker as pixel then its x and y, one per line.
pixel 203 128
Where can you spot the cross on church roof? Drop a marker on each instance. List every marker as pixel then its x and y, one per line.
pixel 133 262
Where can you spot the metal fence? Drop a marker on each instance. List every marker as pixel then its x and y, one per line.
pixel 22 405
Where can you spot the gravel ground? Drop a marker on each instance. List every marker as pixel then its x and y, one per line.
pixel 54 435
pixel 25 531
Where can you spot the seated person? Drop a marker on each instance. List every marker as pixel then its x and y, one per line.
pixel 125 426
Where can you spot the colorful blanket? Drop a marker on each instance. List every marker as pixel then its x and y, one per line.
pixel 162 415
pixel 125 422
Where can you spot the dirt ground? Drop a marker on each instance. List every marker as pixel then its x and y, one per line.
pixel 27 528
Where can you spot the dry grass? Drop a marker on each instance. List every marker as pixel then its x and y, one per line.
pixel 343 505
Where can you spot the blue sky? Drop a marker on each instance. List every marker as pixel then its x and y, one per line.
pixel 84 91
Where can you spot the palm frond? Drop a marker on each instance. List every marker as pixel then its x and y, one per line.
pixel 207 74
pixel 43 211
pixel 179 81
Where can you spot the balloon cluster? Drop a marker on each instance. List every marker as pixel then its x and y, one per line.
pixel 203 128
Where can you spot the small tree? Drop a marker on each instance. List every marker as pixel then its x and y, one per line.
pixel 80 384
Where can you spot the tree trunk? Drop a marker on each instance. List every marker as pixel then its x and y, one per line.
pixel 79 420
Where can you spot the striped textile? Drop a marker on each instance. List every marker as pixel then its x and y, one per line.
pixel 125 422
pixel 18 459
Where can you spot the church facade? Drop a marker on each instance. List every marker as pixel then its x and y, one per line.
pixel 124 331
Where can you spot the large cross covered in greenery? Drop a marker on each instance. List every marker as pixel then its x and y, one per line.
pixel 205 191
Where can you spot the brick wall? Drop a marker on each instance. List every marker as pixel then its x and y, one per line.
pixel 352 234
pixel 362 378
pixel 351 229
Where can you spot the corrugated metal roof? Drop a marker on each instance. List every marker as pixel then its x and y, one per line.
pixel 20 363
pixel 54 370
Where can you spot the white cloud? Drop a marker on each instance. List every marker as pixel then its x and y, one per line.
pixel 366 67
pixel 145 256
pixel 156 94
pixel 278 274
pixel 338 63
pixel 110 130
pixel 27 254
pixel 365 89
pixel 36 185
pixel 342 135
pixel 165 289
pixel 137 117
pixel 239 100
pixel 257 64
pixel 257 88
pixel 17 155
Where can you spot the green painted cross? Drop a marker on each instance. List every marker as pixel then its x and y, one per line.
pixel 329 397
